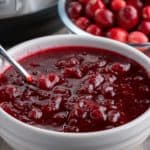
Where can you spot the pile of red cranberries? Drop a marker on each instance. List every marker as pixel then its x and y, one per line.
pixel 123 20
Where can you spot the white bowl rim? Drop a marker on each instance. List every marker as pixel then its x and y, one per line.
pixel 43 131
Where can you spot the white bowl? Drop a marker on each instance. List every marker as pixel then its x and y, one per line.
pixel 73 28
pixel 25 137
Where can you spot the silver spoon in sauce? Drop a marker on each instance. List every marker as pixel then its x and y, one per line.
pixel 15 64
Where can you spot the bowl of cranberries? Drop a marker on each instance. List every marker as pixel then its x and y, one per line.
pixel 127 21
pixel 86 93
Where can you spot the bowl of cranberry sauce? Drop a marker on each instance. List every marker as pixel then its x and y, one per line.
pixel 87 89
pixel 127 21
pixel 84 88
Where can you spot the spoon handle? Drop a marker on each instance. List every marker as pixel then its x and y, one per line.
pixel 146 45
pixel 15 64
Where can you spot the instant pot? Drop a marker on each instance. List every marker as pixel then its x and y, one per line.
pixel 25 19
pixel 12 9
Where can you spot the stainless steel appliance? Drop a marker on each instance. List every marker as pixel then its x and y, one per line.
pixel 21 20
pixel 15 8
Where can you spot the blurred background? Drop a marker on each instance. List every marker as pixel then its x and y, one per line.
pixel 21 20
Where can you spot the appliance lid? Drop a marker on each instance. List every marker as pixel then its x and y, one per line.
pixel 13 8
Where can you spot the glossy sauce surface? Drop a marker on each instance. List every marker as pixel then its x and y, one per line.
pixel 76 89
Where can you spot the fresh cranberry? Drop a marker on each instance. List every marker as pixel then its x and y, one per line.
pixel 138 4
pixel 128 17
pixel 82 22
pixel 145 27
pixel 117 5
pixel 84 1
pixel 94 29
pixel 104 18
pixel 74 10
pixel 92 6
pixel 146 13
pixel 118 34
pixel 137 37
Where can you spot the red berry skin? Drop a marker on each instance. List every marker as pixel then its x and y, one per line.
pixel 75 10
pixel 94 29
pixel 117 5
pixel 138 4
pixel 82 23
pixel 104 18
pixel 128 17
pixel 137 37
pixel 118 34
pixel 145 27
pixel 146 13
pixel 92 6
pixel 84 1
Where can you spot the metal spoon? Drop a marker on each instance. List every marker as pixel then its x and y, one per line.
pixel 145 46
pixel 15 64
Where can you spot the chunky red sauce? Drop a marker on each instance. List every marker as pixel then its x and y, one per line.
pixel 76 89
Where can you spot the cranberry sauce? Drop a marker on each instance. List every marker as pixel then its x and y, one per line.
pixel 76 89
